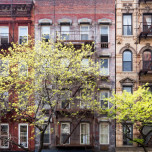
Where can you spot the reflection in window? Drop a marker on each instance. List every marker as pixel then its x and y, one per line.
pixel 147 21
pixel 84 32
pixel 127 132
pixel 127 88
pixel 45 33
pixel 127 60
pixel 103 102
pixel 104 69
pixel 23 34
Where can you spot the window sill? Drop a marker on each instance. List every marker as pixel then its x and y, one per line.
pixel 127 36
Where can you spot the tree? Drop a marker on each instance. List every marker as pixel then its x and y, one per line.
pixel 40 77
pixel 135 108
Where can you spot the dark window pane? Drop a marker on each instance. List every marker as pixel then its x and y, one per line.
pixel 104 38
pixel 127 66
pixel 127 132
pixel 104 63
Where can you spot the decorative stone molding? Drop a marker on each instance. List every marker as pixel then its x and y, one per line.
pixel 147 47
pixel 127 81
pixel 104 21
pixel 65 21
pixel 45 21
pixel 127 46
pixel 119 39
pixel 84 21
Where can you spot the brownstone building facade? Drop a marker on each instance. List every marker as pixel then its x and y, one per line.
pixel 133 56
pixel 81 22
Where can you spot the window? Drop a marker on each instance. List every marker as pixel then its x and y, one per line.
pixel 127 88
pixel 4 35
pixel 127 60
pixel 127 24
pixel 85 99
pixel 147 21
pixel 23 34
pixel 46 134
pixel 147 60
pixel 65 98
pixel 104 69
pixel 127 132
pixel 104 103
pixel 23 99
pixel 45 33
pixel 23 135
pixel 4 134
pixel 4 68
pixel 104 36
pixel 84 133
pixel 65 31
pixel 23 68
pixel 84 30
pixel 65 132
pixel 104 133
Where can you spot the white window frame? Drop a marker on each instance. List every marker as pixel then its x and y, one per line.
pixel 101 33
pixel 48 127
pixel 65 32
pixel 102 74
pixel 100 125
pixel 107 91
pixel 8 134
pixel 83 32
pixel 19 125
pixel 43 26
pixel 4 33
pixel 68 123
pixel 87 124
pixel 19 33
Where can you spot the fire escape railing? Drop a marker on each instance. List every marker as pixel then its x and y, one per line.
pixel 144 1
pixel 145 66
pixel 147 31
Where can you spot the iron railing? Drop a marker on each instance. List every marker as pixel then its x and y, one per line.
pixel 145 66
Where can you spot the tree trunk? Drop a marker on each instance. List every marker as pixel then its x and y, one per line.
pixel 41 142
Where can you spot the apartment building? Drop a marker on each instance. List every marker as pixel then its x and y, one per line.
pixel 133 57
pixel 81 22
pixel 16 23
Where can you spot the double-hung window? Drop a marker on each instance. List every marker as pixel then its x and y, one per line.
pixel 84 30
pixel 4 134
pixel 147 22
pixel 65 31
pixel 104 67
pixel 84 133
pixel 65 98
pixel 127 24
pixel 45 33
pixel 4 35
pixel 23 34
pixel 104 103
pixel 127 133
pixel 104 36
pixel 46 139
pixel 65 132
pixel 127 60
pixel 23 135
pixel 104 133
pixel 4 100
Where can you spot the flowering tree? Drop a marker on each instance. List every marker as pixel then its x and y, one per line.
pixel 136 109
pixel 44 77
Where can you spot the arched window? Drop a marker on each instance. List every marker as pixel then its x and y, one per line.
pixel 127 60
pixel 147 60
